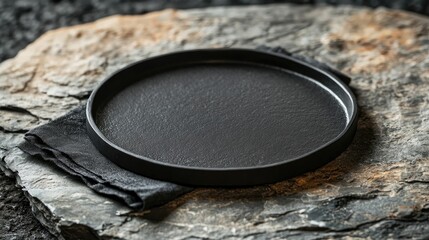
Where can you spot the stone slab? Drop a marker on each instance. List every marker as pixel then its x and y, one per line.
pixel 377 189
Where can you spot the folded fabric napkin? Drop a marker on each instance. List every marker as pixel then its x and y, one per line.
pixel 65 142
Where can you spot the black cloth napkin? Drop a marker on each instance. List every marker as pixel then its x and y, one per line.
pixel 65 143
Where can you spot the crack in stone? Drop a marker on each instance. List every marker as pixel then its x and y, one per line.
pixel 416 181
pixel 27 83
pixel 17 109
pixel 344 200
pixel 13 131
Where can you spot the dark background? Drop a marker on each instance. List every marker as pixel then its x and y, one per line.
pixel 22 21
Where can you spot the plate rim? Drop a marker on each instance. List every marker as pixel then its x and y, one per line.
pixel 97 137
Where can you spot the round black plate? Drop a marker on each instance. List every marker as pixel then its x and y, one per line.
pixel 221 117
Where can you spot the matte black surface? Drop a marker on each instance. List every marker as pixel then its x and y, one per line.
pixel 221 117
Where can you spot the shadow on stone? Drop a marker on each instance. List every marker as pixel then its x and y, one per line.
pixel 78 231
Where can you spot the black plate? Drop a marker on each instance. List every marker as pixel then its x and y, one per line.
pixel 221 117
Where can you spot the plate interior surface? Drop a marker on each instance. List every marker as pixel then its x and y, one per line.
pixel 222 115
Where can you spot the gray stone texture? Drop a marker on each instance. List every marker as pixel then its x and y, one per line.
pixel 378 188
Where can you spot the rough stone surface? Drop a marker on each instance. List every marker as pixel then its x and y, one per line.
pixel 22 21
pixel 377 189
